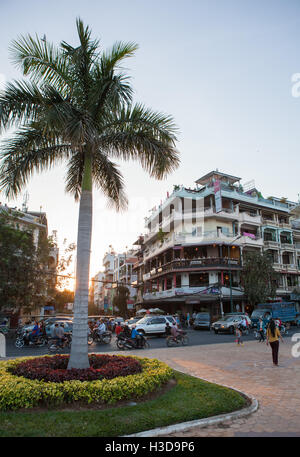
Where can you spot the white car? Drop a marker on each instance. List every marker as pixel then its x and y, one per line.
pixel 228 323
pixel 153 325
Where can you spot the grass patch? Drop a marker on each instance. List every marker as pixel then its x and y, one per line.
pixel 190 399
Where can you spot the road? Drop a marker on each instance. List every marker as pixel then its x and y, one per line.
pixel 196 338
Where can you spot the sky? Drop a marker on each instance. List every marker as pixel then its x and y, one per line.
pixel 226 70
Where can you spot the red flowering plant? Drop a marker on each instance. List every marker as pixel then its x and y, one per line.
pixel 54 368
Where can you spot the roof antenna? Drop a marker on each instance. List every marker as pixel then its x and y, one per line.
pixel 25 201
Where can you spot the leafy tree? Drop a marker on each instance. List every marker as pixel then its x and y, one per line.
pixel 22 280
pixel 61 298
pixel 77 107
pixel 258 277
pixel 120 299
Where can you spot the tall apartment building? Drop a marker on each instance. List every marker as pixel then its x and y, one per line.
pixel 97 288
pixel 124 273
pixel 108 263
pixel 191 256
pixel 118 269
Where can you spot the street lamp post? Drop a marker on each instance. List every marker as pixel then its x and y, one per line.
pixel 230 275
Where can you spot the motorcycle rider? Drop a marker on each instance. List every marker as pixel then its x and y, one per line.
pixel 35 332
pixel 168 329
pixel 136 337
pixel 127 331
pixel 174 331
pixel 101 328
pixel 60 332
pixel 118 328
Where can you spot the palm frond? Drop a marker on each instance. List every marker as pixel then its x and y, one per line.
pixel 140 134
pixel 20 102
pixel 42 61
pixel 118 52
pixel 29 150
pixel 74 175
pixel 108 178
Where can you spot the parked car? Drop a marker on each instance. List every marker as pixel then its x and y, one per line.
pixel 133 320
pixel 244 315
pixel 48 321
pixel 227 323
pixel 68 327
pixel 202 320
pixel 153 325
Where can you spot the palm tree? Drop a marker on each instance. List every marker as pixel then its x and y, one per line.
pixel 76 107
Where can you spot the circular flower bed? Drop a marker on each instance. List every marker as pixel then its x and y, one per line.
pixel 18 391
pixel 54 369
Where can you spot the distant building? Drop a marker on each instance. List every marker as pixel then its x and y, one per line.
pixel 38 224
pixel 191 255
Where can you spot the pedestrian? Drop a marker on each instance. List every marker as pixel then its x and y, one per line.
pixel 238 334
pixel 261 330
pixel 188 319
pixel 273 335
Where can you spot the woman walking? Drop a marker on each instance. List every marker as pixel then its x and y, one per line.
pixel 273 335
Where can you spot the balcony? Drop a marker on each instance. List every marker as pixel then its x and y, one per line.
pixel 246 218
pixel 290 267
pixel 255 241
pixel 285 225
pixel 225 213
pixel 271 222
pixel 213 236
pixel 287 246
pixel 196 264
pixel 271 244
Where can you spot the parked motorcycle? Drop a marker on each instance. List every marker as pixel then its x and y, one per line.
pixel 94 337
pixel 182 338
pixel 4 329
pixel 55 345
pixel 23 340
pixel 124 342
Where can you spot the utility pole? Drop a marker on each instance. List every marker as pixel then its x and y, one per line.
pixel 230 275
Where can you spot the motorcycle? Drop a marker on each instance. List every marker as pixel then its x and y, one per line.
pixel 54 344
pixel 182 338
pixel 123 342
pixel 94 337
pixel 23 340
pixel 4 329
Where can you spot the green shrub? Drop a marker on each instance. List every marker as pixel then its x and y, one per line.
pixel 18 392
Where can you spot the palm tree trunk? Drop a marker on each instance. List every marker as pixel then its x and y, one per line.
pixel 79 348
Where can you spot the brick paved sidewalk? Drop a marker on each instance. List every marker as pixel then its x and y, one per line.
pixel 248 368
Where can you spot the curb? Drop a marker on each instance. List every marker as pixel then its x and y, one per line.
pixel 201 423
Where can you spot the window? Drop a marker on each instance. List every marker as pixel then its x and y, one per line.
pixel 158 320
pixel 198 280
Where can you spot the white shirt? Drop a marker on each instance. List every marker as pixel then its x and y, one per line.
pixel 101 328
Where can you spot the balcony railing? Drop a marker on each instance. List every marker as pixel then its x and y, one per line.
pixel 287 246
pixel 182 264
pixel 271 244
pixel 267 221
pixel 249 219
